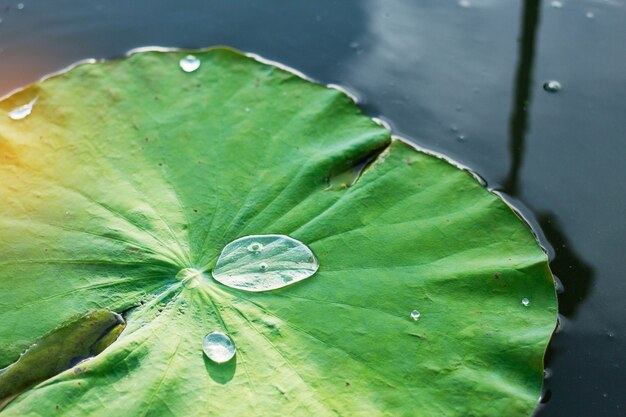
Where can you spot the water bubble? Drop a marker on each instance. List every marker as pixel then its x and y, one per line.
pixel 255 247
pixel 465 3
pixel 547 373
pixel 589 15
pixel 22 111
pixel 552 86
pixel 243 263
pixel 415 315
pixel 189 63
pixel 218 347
pixel 556 4
pixel 525 302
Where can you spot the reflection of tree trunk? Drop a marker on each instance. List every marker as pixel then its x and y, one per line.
pixel 575 274
pixel 523 79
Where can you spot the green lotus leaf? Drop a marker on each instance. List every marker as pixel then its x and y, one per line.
pixel 126 173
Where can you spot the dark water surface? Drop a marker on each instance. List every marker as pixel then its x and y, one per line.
pixel 464 78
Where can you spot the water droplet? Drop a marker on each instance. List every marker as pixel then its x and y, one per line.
pixel 255 247
pixel 189 63
pixel 552 86
pixel 556 4
pixel 415 315
pixel 465 3
pixel 20 6
pixel 525 302
pixel 589 15
pixel 243 263
pixel 218 347
pixel 22 111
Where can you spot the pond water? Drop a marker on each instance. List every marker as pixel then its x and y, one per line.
pixel 465 78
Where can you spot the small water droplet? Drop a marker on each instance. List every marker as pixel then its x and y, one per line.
pixel 552 86
pixel 415 315
pixel 239 263
pixel 255 247
pixel 218 347
pixel 22 111
pixel 556 4
pixel 354 45
pixel 189 63
pixel 525 302
pixel 20 6
pixel 589 15
pixel 465 3
pixel 247 109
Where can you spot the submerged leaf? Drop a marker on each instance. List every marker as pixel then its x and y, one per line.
pixel 128 179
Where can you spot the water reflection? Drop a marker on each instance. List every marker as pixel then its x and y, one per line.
pixel 574 273
pixel 518 123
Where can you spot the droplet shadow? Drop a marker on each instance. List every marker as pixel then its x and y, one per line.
pixel 221 373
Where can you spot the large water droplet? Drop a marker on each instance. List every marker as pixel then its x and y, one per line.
pixel 552 86
pixel 22 111
pixel 218 347
pixel 415 315
pixel 189 63
pixel 525 302
pixel 264 262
